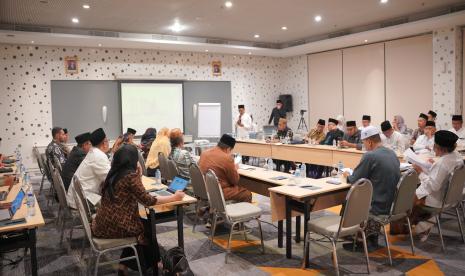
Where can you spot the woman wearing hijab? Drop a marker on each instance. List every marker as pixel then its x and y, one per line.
pixel 161 144
pixel 118 215
pixel 399 124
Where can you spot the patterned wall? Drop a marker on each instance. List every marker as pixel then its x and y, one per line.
pixel 295 82
pixel 447 74
pixel 26 73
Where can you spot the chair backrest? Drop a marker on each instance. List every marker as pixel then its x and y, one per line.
pixel 47 168
pixel 163 165
pixel 60 189
pixel 214 192
pixel 357 204
pixel 80 193
pixel 454 191
pixel 142 163
pixel 173 169
pixel 198 182
pixel 56 163
pixel 405 193
pixel 40 163
pixel 84 221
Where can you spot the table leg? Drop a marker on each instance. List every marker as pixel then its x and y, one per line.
pixel 32 244
pixel 180 219
pixel 280 234
pixel 297 229
pixel 306 219
pixel 288 228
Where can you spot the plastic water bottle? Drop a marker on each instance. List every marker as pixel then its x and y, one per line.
pixel 157 177
pixel 334 143
pixel 31 202
pixel 303 170
pixel 297 175
pixel 270 164
pixel 340 167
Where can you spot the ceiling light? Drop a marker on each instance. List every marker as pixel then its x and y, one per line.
pixel 228 4
pixel 250 53
pixel 177 27
pixel 366 40
pixel 32 41
pixel 206 50
pixel 283 28
pixel 318 18
pixel 86 6
pixel 256 36
pixel 100 44
pixel 383 1
pixel 75 20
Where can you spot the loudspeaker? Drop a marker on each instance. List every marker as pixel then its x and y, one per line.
pixel 287 102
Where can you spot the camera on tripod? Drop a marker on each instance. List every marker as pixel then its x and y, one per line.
pixel 302 111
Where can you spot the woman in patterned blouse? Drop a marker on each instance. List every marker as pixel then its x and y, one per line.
pixel 179 155
pixel 118 215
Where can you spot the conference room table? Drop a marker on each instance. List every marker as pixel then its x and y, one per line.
pixel 171 211
pixel 289 199
pixel 26 230
pixel 304 153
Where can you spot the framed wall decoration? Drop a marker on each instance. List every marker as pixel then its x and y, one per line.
pixel 71 65
pixel 216 68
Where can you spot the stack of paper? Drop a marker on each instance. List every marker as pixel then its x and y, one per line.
pixel 413 158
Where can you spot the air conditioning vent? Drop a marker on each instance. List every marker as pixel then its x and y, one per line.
pixel 36 29
pixel 217 41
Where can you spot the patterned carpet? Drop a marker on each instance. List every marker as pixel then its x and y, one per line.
pixel 246 258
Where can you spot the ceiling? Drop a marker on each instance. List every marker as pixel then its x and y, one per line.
pixel 210 19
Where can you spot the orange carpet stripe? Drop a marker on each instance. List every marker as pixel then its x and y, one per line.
pixel 235 243
pixel 429 268
pixel 396 253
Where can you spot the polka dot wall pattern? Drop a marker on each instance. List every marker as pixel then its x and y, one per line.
pixel 447 86
pixel 27 71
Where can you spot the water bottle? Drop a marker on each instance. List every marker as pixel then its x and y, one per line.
pixel 334 171
pixel 31 202
pixel 340 167
pixel 297 175
pixel 157 177
pixel 334 142
pixel 303 170
pixel 270 164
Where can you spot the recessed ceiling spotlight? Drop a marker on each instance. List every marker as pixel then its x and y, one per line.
pixel 366 40
pixel 32 41
pixel 206 50
pixel 256 35
pixel 177 27
pixel 383 1
pixel 100 44
pixel 75 20
pixel 86 6
pixel 250 53
pixel 283 28
pixel 317 18
pixel 228 4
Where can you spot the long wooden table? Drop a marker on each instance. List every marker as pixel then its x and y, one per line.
pixel 174 210
pixel 283 200
pixel 27 229
pixel 312 154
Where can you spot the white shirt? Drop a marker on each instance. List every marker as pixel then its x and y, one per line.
pixel 91 173
pixel 434 183
pixel 423 142
pixel 246 121
pixel 461 134
pixel 395 142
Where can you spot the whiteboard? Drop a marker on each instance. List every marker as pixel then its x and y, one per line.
pixel 145 105
pixel 209 120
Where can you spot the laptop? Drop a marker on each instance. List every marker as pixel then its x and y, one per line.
pixel 179 183
pixel 268 130
pixel 7 214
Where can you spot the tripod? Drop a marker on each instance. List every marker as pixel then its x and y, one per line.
pixel 302 123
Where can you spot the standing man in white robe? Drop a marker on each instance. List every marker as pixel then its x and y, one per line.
pixel 243 123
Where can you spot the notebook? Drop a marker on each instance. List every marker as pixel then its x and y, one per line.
pixel 179 183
